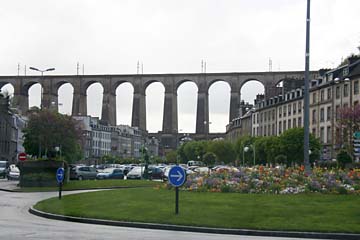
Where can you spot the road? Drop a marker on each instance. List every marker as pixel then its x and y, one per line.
pixel 17 223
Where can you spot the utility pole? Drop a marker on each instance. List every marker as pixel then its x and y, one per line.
pixel 306 93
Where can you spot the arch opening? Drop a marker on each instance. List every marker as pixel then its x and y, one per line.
pixel 7 89
pixel 94 99
pixel 35 92
pixel 155 93
pixel 187 105
pixel 219 102
pixel 250 90
pixel 65 98
pixel 124 102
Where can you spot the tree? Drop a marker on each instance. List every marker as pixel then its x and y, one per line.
pixel 210 159
pixel 292 146
pixel 171 157
pixel 348 123
pixel 48 129
pixel 343 158
pixel 195 150
pixel 223 150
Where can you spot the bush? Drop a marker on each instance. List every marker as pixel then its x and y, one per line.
pixel 343 158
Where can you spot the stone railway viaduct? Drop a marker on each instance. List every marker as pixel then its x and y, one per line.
pixel 51 83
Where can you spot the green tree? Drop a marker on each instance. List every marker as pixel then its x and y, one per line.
pixel 343 158
pixel 195 150
pixel 292 146
pixel 48 129
pixel 210 159
pixel 224 151
pixel 171 157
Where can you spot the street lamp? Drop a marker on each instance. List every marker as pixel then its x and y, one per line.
pixel 42 71
pixel 244 150
pixel 42 74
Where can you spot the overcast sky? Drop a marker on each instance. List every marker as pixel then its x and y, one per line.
pixel 168 36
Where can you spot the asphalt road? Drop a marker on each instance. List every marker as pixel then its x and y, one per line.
pixel 17 223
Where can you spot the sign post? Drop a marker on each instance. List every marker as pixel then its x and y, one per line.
pixel 177 177
pixel 22 156
pixel 60 178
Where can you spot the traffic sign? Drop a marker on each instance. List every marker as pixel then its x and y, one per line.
pixel 60 175
pixel 356 135
pixel 177 176
pixel 22 156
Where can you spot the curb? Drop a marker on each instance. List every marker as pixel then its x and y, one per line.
pixel 70 190
pixel 289 234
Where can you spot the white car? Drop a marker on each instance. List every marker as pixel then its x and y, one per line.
pixel 13 172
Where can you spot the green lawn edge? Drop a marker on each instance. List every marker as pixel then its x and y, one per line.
pixel 94 184
pixel 303 212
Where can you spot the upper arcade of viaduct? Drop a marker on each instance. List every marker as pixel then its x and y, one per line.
pixel 140 82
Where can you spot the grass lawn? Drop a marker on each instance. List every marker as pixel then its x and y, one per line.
pixel 88 184
pixel 306 212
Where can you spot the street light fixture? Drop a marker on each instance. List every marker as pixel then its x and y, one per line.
pixel 42 74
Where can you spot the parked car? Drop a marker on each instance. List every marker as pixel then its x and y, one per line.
pixel 13 172
pixel 83 172
pixel 3 165
pixel 135 173
pixel 155 173
pixel 111 173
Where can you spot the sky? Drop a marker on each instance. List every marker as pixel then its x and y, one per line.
pixel 168 36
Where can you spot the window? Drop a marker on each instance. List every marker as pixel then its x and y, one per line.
pixel 356 87
pixel 314 116
pixel 294 108
pixel 314 97
pixel 322 95
pixel 265 130
pixel 273 114
pixel 284 125
pixel 261 117
pixel 337 111
pixel 289 110
pixel 328 112
pixel 299 122
pixel 337 92
pixel 346 90
pixel 322 133
pixel 280 127
pixel 299 107
pixel 322 115
pixel 280 111
pixel 328 93
pixel 273 129
pixel 294 123
pixel 328 135
pixel 289 123
pixel 314 131
pixel 284 111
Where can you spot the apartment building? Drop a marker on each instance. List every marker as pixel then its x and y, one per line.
pixel 333 90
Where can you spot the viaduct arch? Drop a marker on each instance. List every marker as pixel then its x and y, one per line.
pixel 171 82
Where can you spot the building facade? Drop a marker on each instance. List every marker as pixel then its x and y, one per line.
pixel 331 91
pixel 121 141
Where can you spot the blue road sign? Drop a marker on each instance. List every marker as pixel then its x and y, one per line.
pixel 60 175
pixel 177 176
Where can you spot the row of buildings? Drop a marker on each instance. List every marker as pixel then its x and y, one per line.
pixel 120 141
pixel 334 90
pixel 11 134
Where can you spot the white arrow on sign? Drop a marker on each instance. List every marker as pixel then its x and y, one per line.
pixel 178 175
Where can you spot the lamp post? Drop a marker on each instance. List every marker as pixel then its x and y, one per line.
pixel 244 150
pixel 42 74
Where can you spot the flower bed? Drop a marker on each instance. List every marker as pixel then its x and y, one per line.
pixel 277 181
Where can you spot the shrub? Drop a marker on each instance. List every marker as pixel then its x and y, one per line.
pixel 343 158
